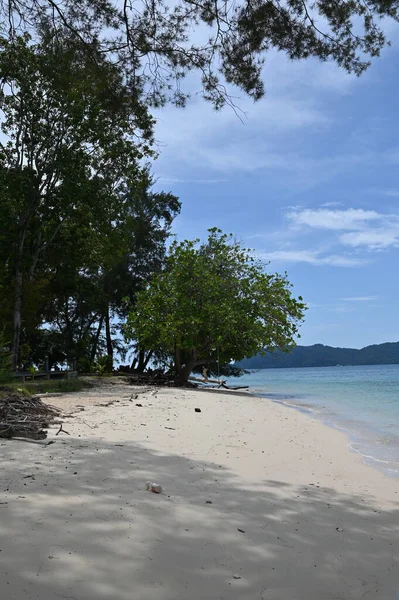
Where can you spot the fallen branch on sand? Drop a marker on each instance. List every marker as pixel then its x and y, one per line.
pixel 206 380
pixel 216 383
pixel 169 380
pixel 24 416
pixel 61 430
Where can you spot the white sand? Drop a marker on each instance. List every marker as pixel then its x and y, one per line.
pixel 316 523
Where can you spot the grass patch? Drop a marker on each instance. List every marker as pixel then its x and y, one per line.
pixel 51 386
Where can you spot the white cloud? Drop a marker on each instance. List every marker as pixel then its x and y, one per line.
pixel 313 258
pixel 358 228
pixel 199 181
pixel 360 299
pixel 334 307
pixel 330 204
pixel 323 218
pixel 199 139
pixel 198 142
pixel 373 239
pixel 199 122
pixel 329 234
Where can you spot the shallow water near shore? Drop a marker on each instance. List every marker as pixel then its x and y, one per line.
pixel 362 401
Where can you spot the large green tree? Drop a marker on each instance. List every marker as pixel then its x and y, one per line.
pixel 214 301
pixel 72 134
pixel 157 42
pixel 98 265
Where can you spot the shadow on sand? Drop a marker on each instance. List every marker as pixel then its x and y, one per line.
pixel 78 524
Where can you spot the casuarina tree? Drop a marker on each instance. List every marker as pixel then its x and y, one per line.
pixel 157 43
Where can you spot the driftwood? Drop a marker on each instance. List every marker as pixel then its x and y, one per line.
pixel 237 387
pixel 161 379
pixel 24 416
pixel 206 380
pixel 217 383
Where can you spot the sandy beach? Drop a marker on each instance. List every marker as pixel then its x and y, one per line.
pixel 260 502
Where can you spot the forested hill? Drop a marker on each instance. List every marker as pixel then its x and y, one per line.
pixel 325 356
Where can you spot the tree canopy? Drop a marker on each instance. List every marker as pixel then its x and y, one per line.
pixel 157 42
pixel 79 216
pixel 214 301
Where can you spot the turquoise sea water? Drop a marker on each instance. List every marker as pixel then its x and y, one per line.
pixel 362 401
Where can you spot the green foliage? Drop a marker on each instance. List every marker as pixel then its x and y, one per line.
pixel 158 43
pixel 104 365
pixel 32 371
pixel 97 270
pixel 82 228
pixel 211 301
pixel 52 386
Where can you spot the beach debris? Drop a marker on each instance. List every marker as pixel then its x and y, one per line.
pixel 24 416
pixel 240 530
pixel 215 383
pixel 208 501
pixel 156 488
pixel 197 410
pixel 171 428
pixel 61 430
pixel 236 576
pixel 339 529
pixel 138 404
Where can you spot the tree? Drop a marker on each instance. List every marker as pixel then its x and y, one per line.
pixel 99 262
pixel 157 42
pixel 73 133
pixel 214 301
pixel 5 360
pixel 143 227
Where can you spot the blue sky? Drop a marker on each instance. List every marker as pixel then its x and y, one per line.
pixel 310 180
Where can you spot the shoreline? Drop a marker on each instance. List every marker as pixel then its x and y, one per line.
pixel 375 440
pixel 389 468
pixel 355 433
pixel 259 503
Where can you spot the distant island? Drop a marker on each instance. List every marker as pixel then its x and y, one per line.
pixel 319 355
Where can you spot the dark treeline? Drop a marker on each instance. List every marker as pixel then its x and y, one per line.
pixel 82 229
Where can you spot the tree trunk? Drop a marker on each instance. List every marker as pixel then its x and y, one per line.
pixel 95 343
pixel 110 349
pixel 148 358
pixel 144 360
pixel 17 319
pixel 18 298
pixel 185 370
pixel 177 360
pixel 141 358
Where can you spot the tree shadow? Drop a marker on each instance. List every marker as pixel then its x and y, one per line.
pixel 79 524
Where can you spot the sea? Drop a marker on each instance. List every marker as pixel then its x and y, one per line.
pixel 362 401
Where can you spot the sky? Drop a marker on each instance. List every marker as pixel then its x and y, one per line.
pixel 308 178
